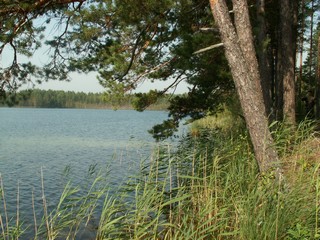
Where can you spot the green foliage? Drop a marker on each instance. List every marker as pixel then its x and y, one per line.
pixel 142 100
pixel 127 46
pixel 128 42
pixel 299 233
pixel 20 36
pixel 60 99
pixel 164 130
pixel 116 95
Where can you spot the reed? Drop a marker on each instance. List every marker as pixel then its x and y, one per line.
pixel 207 188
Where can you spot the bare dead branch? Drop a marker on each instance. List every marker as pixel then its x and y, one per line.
pixel 156 68
pixel 209 30
pixel 208 48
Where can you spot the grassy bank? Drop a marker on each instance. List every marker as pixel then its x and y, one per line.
pixel 209 188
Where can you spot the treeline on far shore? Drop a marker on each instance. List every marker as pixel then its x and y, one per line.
pixel 38 98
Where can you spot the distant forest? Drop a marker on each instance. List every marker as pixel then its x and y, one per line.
pixel 61 99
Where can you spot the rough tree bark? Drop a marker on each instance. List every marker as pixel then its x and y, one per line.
pixel 245 36
pixel 317 98
pixel 264 58
pixel 301 49
pixel 287 60
pixel 243 64
pixel 311 43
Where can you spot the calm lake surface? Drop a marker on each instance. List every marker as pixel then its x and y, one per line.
pixel 69 143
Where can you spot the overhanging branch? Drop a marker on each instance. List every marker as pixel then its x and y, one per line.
pixel 33 6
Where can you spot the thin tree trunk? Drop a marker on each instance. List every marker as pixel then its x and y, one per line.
pixel 237 50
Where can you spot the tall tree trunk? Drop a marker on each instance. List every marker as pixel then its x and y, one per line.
pixel 245 36
pixel 279 81
pixel 264 58
pixel 287 60
pixel 317 98
pixel 239 52
pixel 299 85
pixel 311 45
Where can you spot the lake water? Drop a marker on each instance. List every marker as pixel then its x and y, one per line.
pixel 68 142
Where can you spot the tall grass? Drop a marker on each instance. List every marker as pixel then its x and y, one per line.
pixel 209 188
